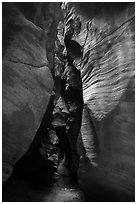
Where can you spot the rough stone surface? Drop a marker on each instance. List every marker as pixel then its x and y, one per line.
pixel 108 124
pixel 74 99
pixel 69 98
pixel 106 142
pixel 29 32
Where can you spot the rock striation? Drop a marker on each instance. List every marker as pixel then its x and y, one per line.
pixel 43 94
pixel 108 125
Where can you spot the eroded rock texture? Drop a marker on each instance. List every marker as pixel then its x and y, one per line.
pixel 107 69
pixel 69 95
pixel 31 68
pixel 29 33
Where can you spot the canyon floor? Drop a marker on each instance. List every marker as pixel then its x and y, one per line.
pixel 63 190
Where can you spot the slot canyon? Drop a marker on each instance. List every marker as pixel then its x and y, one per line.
pixel 68 101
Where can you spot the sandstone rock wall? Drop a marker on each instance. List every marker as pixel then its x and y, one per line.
pixel 106 171
pixel 108 125
pixel 29 32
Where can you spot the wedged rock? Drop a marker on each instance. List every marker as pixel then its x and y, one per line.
pixel 60 113
pixel 74 98
pixel 29 31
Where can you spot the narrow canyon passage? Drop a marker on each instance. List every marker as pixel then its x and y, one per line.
pixel 68 101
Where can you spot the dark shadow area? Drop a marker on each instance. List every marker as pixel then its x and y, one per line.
pixel 20 190
pixel 102 194
pixel 79 147
pixel 64 190
pixel 36 170
pixel 95 191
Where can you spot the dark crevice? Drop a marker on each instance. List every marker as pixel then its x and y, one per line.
pixel 81 140
pixel 32 166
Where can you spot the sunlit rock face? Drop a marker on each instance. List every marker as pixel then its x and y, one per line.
pixel 107 69
pixel 29 32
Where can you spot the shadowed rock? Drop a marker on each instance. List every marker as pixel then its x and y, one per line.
pixel 107 70
pixel 29 32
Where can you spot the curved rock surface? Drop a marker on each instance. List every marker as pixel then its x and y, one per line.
pixel 106 143
pixel 108 124
pixel 29 32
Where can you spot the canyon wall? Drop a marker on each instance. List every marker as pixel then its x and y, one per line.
pixel 29 33
pixel 107 170
pixel 106 144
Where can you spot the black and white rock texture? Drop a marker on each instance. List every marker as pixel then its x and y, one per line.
pixel 29 33
pixel 32 72
pixel 108 74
